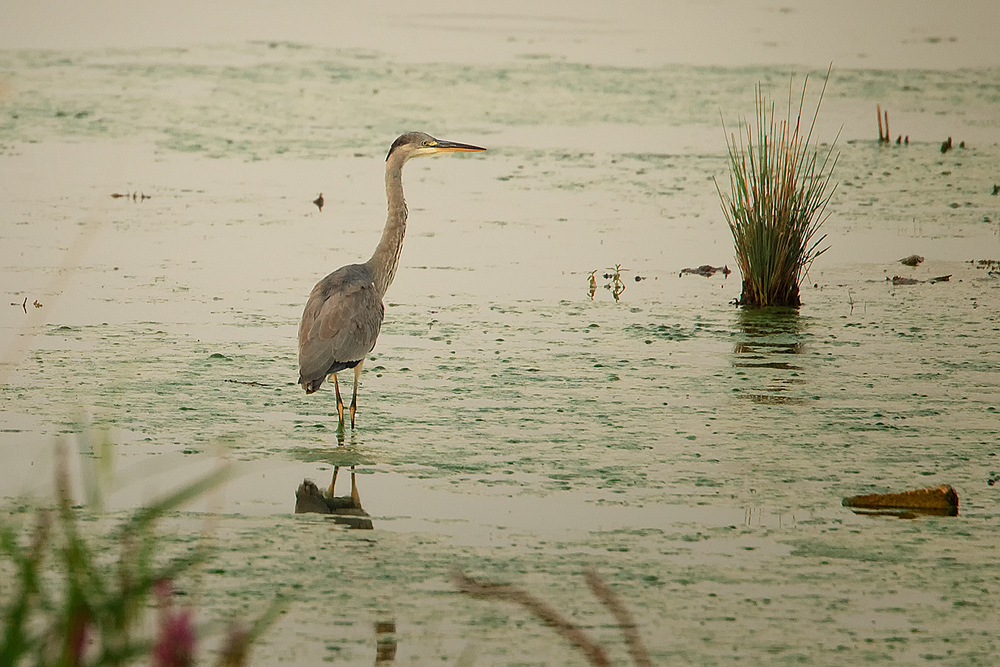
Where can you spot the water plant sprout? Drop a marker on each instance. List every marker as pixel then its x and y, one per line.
pixel 779 193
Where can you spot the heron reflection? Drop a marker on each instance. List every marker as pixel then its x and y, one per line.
pixel 344 509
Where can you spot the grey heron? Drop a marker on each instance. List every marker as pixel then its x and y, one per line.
pixel 343 315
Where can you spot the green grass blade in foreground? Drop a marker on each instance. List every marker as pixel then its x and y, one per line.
pixel 146 515
pixel 16 641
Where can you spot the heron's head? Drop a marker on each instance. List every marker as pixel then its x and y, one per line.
pixel 416 144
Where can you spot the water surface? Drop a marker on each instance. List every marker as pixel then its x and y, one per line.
pixel 510 424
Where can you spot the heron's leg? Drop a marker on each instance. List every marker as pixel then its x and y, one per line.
pixel 333 483
pixel 354 397
pixel 340 401
pixel 355 496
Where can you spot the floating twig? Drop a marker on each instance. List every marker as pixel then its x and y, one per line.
pixel 135 196
pixel 249 383
pixel 24 304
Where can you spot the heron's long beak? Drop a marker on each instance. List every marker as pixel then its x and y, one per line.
pixel 455 147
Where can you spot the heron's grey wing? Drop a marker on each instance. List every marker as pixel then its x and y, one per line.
pixel 340 324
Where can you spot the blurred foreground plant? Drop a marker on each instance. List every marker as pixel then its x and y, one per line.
pixel 69 607
pixel 779 193
pixel 552 617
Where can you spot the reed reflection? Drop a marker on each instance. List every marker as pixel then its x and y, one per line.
pixel 385 641
pixel 767 340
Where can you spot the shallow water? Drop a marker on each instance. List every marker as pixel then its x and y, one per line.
pixel 696 454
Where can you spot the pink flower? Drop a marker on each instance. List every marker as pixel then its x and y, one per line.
pixel 175 642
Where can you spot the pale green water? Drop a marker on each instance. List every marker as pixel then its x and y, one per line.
pixel 695 454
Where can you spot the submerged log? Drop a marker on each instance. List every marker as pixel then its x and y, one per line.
pixel 939 500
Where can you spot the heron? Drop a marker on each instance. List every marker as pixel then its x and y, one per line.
pixel 343 315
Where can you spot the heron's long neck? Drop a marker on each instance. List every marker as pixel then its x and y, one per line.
pixel 385 259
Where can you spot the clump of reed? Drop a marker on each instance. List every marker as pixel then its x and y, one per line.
pixel 780 188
